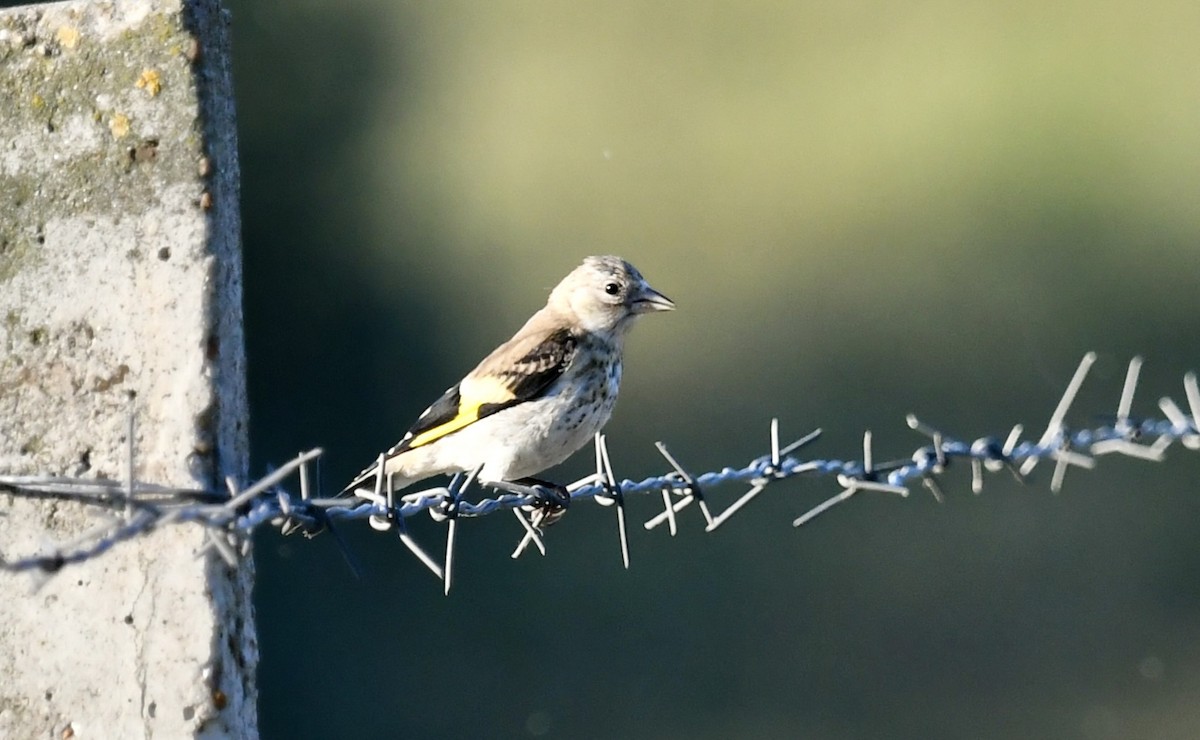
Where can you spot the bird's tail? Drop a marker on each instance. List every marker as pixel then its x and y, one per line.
pixel 367 479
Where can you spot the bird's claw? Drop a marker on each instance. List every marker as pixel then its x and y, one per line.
pixel 552 495
pixel 544 514
pixel 550 504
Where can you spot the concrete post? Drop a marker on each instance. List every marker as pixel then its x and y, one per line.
pixel 120 275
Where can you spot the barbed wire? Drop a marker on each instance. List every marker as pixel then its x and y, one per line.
pixel 130 509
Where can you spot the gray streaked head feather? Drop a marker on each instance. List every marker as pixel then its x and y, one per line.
pixel 605 294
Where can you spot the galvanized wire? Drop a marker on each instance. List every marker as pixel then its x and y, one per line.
pixel 130 508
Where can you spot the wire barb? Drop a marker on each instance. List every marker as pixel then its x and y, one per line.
pixel 690 492
pixel 1055 427
pixel 771 471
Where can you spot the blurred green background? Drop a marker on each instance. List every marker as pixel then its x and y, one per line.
pixel 862 209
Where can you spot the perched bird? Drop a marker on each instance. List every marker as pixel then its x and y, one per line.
pixel 538 397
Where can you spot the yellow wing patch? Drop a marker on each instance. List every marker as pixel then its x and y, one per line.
pixel 460 407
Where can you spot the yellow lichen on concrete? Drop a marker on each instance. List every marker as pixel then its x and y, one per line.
pixel 150 81
pixel 119 125
pixel 68 36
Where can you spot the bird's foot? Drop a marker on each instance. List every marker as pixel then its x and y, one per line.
pixel 551 494
pixel 550 503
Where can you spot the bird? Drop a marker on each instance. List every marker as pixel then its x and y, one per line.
pixel 538 397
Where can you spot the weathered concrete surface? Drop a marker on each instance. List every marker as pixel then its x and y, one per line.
pixel 120 273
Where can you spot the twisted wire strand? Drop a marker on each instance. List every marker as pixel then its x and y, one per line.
pixel 133 509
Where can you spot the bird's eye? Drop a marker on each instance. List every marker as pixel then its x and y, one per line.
pixel 612 288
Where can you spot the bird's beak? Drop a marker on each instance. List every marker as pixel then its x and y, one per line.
pixel 649 300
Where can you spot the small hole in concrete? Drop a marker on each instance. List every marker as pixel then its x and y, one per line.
pixel 128 619
pixel 146 151
pixel 188 713
pixel 164 254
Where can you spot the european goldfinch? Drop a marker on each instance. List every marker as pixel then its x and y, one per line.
pixel 538 397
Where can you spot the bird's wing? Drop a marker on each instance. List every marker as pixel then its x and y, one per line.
pixel 520 370
pixel 517 371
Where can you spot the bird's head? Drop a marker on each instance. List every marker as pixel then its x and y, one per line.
pixel 605 294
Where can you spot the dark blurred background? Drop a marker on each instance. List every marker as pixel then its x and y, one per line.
pixel 862 210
